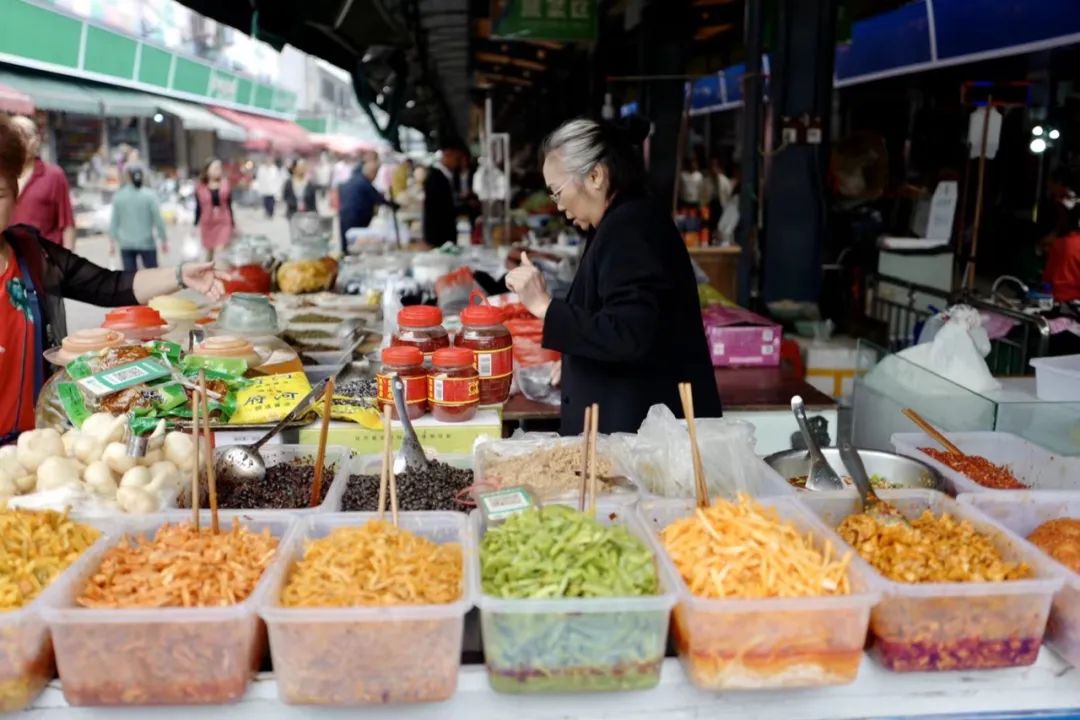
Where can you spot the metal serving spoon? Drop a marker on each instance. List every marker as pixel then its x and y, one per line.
pixel 885 513
pixel 411 450
pixel 821 476
pixel 243 463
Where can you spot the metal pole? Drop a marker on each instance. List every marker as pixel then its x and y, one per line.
pixel 969 277
pixel 747 233
pixel 1038 188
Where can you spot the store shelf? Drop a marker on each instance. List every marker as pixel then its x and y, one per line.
pixel 1050 685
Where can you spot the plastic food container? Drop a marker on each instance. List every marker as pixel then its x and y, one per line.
pixel 771 642
pixel 1057 379
pixel 1021 512
pixel 1035 466
pixel 250 314
pixel 953 626
pixel 337 457
pixel 406 362
pixel 136 322
pixel 368 655
pixel 453 385
pixel 158 656
pixel 483 333
pixel 372 465
pixel 27 663
pixel 575 644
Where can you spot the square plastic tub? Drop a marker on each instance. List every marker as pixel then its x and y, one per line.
pixel 325 357
pixel 957 625
pixel 771 642
pixel 337 457
pixel 1022 512
pixel 489 450
pixel 368 655
pixel 372 465
pixel 565 645
pixel 1035 466
pixel 1057 379
pixel 159 656
pixel 27 663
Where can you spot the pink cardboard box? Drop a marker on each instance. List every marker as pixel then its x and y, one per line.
pixel 740 338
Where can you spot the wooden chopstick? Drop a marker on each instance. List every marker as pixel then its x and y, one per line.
pixel 932 431
pixel 320 456
pixel 585 432
pixel 196 410
pixel 594 423
pixel 211 475
pixel 686 394
pixel 384 476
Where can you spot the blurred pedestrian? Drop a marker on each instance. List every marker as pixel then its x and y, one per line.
pixel 136 217
pixel 440 196
pixel 44 194
pixel 359 198
pixel 322 176
pixel 298 192
pixel 268 180
pixel 213 207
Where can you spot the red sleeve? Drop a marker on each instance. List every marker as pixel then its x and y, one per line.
pixel 65 216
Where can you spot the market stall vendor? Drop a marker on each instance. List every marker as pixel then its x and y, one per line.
pixel 37 275
pixel 630 329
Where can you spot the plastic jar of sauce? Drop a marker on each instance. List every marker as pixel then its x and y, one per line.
pixel 406 362
pixel 482 332
pixel 454 385
pixel 421 327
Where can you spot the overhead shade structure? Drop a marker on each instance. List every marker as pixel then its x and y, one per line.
pixel 124 103
pixel 268 134
pixel 13 101
pixel 345 144
pixel 195 117
pixel 49 93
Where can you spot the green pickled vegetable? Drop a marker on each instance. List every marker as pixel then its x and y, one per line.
pixel 558 552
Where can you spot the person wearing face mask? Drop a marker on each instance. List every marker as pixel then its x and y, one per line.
pixel 630 327
pixel 136 217
pixel 37 275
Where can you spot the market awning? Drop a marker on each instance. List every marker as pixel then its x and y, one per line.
pixel 346 144
pixel 125 103
pixel 13 101
pixel 268 134
pixel 195 117
pixel 50 93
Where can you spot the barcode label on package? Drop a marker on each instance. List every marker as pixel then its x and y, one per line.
pixel 501 504
pixel 120 378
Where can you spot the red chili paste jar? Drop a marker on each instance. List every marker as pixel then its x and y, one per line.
pixel 421 327
pixel 453 385
pixel 482 332
pixel 407 362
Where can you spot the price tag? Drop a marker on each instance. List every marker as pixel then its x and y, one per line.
pixel 498 505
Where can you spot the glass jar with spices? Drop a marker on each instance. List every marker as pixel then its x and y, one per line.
pixel 421 327
pixel 454 385
pixel 482 332
pixel 406 362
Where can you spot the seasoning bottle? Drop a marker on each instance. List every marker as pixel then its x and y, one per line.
pixel 482 332
pixel 454 385
pixel 406 362
pixel 421 327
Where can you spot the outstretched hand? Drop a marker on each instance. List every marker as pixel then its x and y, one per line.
pixel 202 277
pixel 528 282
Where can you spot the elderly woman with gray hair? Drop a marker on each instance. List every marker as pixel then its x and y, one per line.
pixel 630 328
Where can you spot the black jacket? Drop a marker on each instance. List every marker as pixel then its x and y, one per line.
pixel 292 203
pixel 440 210
pixel 630 329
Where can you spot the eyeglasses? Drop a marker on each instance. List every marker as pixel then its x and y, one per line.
pixel 556 194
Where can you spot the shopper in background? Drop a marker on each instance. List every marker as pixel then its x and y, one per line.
pixel 298 192
pixel 691 184
pixel 323 172
pixel 358 199
pixel 1063 260
pixel 136 216
pixel 268 181
pixel 44 194
pixel 213 208
pixel 36 275
pixel 440 196
pixel 630 329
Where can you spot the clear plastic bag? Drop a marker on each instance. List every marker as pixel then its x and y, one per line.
pixel 534 381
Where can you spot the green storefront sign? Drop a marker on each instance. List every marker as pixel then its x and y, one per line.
pixel 544 19
pixel 45 39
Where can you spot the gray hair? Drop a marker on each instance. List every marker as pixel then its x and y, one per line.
pixel 579 145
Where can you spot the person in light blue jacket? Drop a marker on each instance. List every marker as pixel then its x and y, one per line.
pixel 136 218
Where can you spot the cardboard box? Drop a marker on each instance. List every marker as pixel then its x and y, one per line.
pixel 445 438
pixel 740 338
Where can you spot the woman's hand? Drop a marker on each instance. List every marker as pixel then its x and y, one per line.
pixel 202 277
pixel 528 282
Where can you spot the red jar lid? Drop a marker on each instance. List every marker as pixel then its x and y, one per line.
pixel 481 315
pixel 133 316
pixel 453 357
pixel 419 316
pixel 403 355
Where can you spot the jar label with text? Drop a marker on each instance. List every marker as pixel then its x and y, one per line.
pixel 453 391
pixel 415 388
pixel 495 364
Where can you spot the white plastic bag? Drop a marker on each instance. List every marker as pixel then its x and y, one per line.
pixel 957 350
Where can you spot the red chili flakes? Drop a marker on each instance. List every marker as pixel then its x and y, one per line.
pixel 979 469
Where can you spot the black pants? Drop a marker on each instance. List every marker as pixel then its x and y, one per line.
pixel 130 259
pixel 268 205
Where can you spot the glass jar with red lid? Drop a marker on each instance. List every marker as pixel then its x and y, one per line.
pixel 482 332
pixel 421 327
pixel 406 362
pixel 453 385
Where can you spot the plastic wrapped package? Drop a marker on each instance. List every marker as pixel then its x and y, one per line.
pixel 563 645
pixel 661 462
pixel 550 465
pixel 769 642
pixel 163 655
pixel 1021 513
pixel 368 655
pixel 954 625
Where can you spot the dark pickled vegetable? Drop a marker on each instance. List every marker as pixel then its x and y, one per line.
pixel 440 487
pixel 287 486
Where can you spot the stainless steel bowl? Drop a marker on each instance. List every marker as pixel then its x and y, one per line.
pixel 898 471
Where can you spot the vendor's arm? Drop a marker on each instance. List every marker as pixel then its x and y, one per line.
pixel 630 286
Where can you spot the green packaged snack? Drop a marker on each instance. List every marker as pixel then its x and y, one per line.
pixel 74 403
pixel 170 396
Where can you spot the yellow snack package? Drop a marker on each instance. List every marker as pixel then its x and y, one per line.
pixel 268 398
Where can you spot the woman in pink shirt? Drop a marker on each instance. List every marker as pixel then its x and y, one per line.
pixel 213 208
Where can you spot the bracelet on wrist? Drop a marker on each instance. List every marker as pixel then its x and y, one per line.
pixel 180 276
